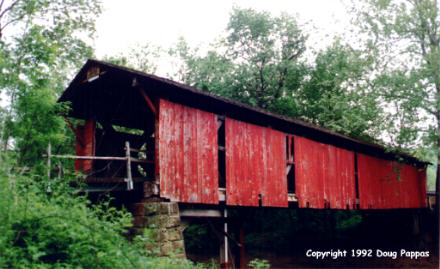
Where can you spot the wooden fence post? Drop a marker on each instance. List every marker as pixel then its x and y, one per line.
pixel 128 156
pixel 48 159
pixel 49 189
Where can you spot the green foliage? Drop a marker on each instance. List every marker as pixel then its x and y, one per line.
pixel 259 264
pixel 199 237
pixel 337 94
pixel 41 42
pixel 252 63
pixel 139 57
pixel 403 39
pixel 347 221
pixel 62 229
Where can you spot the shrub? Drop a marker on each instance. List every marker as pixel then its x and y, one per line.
pixel 62 229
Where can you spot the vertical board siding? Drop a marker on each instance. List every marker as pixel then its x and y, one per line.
pixel 324 175
pixel 274 189
pixel 255 165
pixel 85 144
pixel 188 154
pixel 385 184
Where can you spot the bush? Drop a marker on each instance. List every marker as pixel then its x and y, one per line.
pixel 62 229
pixel 259 264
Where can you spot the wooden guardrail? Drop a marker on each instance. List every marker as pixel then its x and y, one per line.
pixel 127 158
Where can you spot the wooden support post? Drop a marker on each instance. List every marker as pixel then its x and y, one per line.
pixel 226 239
pixel 224 250
pixel 128 156
pixel 60 170
pixel 241 240
pixel 416 225
pixel 48 167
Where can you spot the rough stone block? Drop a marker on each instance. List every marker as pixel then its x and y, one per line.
pixel 178 246
pixel 166 248
pixel 155 234
pixel 179 256
pixel 151 208
pixel 170 222
pixel 162 221
pixel 154 221
pixel 172 234
pixel 169 208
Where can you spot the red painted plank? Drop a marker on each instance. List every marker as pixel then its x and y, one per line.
pixel 85 145
pixel 324 175
pixel 341 178
pixel 255 165
pixel 308 173
pixel 385 184
pixel 178 184
pixel 188 154
pixel 208 147
pixel 274 190
pixel 241 188
pixel 230 161
pixel 164 145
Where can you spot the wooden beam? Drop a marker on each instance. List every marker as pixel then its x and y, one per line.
pixel 288 169
pixel 197 213
pixel 113 179
pixel 148 100
pixel 108 158
pixel 103 189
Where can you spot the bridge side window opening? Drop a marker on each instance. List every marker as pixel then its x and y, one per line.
pixel 221 152
pixel 290 164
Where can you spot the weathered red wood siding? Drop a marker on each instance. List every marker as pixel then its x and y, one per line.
pixel 188 154
pixel 385 184
pixel 324 175
pixel 255 165
pixel 85 145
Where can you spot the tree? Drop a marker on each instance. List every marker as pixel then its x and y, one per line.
pixel 337 93
pixel 253 63
pixel 139 57
pixel 41 42
pixel 404 37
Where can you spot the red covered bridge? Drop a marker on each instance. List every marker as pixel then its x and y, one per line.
pixel 192 147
